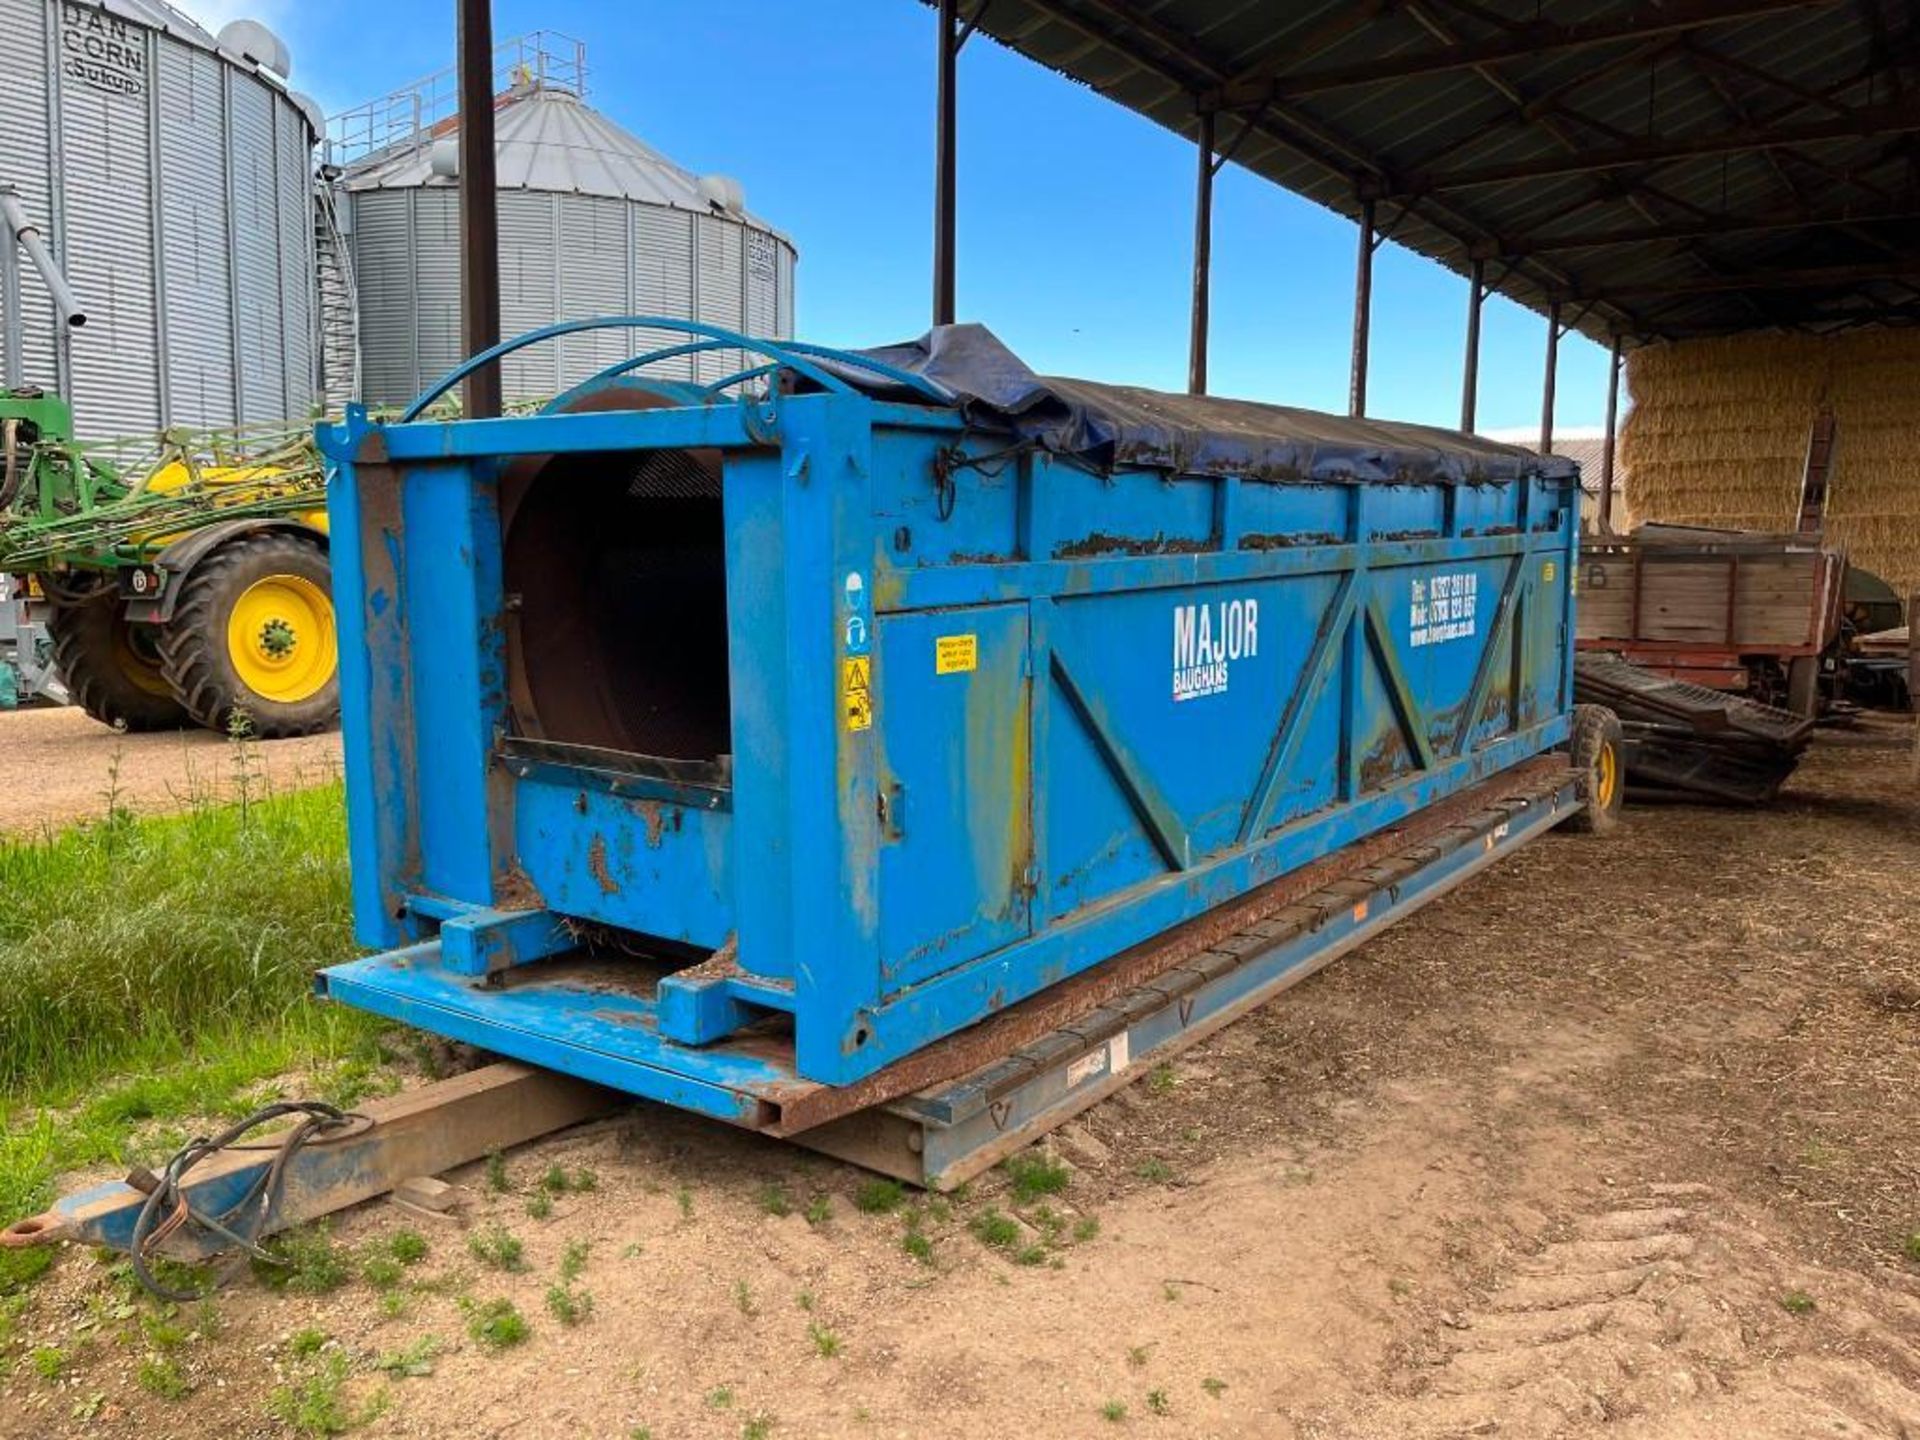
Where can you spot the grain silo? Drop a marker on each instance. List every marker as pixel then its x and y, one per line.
pixel 172 171
pixel 592 222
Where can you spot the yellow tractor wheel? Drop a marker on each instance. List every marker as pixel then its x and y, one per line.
pixel 1596 749
pixel 111 667
pixel 251 644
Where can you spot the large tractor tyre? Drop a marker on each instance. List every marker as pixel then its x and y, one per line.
pixel 1599 762
pixel 111 666
pixel 251 644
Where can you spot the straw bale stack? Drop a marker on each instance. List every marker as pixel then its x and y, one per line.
pixel 1718 436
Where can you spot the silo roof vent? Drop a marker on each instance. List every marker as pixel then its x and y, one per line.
pixel 258 45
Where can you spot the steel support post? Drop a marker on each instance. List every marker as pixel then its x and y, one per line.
pixel 1615 361
pixel 1202 259
pixel 12 323
pixel 1362 311
pixel 1552 374
pixel 945 184
pixel 1470 372
pixel 479 209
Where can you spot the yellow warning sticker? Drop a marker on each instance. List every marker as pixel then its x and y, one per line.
pixel 1547 572
pixel 856 691
pixel 954 654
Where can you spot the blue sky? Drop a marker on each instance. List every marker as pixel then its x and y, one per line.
pixel 1075 239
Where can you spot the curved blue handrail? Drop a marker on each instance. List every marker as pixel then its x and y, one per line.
pixel 654 357
pixel 792 355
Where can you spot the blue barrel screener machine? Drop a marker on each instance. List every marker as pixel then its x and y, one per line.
pixel 891 748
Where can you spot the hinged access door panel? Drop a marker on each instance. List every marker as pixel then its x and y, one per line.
pixel 955 788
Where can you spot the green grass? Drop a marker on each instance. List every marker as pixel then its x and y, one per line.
pixel 878 1197
pixel 306 1261
pixel 997 1231
pixel 411 1361
pixel 307 1342
pixel 409 1247
pixel 559 1181
pixel 1032 1174
pixel 826 1344
pixel 159 969
pixel 124 941
pixel 162 1375
pixel 775 1200
pixel 567 1305
pixel 497 1325
pixel 1798 1302
pixel 316 1404
pixel 498 1247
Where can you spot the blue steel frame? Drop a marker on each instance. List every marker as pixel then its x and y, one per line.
pixel 944 1137
pixel 856 528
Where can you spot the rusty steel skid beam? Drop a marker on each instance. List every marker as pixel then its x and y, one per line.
pixel 945 1135
pixel 421 1132
pixel 1524 42
pixel 1065 1003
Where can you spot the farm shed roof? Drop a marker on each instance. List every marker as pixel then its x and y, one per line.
pixel 1665 170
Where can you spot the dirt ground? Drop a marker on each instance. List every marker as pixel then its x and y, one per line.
pixel 1618 1139
pixel 57 767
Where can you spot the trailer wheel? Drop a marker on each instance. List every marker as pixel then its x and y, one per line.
pixel 111 666
pixel 1599 760
pixel 253 635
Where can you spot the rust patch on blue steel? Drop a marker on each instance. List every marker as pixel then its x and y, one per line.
pixel 514 890
pixel 597 866
pixel 1101 544
pixel 1276 541
pixel 657 818
pixel 1386 761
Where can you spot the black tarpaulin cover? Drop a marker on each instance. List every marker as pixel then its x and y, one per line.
pixel 1108 426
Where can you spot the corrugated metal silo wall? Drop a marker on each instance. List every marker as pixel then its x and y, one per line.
pixel 561 257
pixel 193 201
pixel 176 189
pixel 24 148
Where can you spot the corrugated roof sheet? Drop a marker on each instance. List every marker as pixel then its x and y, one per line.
pixel 1605 153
